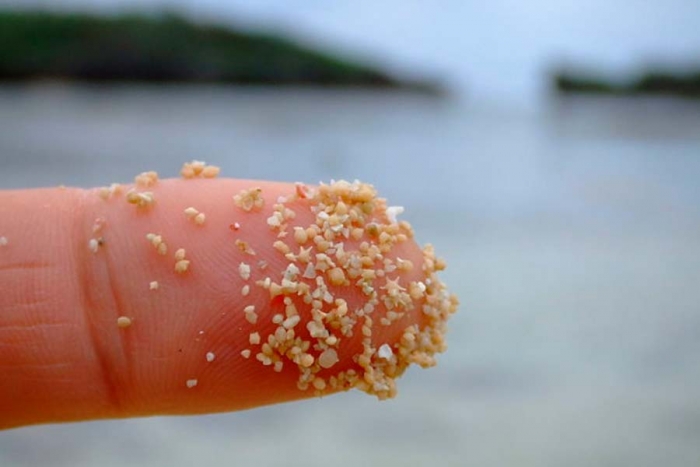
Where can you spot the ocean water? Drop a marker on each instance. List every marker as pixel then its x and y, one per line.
pixel 572 234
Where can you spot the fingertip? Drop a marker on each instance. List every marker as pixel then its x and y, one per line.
pixel 318 289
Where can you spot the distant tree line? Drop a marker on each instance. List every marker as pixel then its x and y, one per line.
pixel 165 48
pixel 649 83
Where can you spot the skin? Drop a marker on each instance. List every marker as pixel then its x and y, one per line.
pixel 62 355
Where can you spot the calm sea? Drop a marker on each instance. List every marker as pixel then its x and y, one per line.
pixel 572 233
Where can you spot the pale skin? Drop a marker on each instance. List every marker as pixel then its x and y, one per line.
pixel 62 355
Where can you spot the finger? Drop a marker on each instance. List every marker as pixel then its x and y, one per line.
pixel 172 297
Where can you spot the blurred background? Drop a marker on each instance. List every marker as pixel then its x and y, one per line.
pixel 549 149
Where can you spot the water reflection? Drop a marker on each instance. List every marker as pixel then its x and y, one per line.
pixel 572 239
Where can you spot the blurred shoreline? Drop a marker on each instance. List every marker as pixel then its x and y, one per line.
pixel 167 48
pixel 653 81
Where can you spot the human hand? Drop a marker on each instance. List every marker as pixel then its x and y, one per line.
pixel 118 303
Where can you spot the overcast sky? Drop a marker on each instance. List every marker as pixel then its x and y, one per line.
pixel 496 49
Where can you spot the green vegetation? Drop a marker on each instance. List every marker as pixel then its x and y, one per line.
pixel 165 48
pixel 650 83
